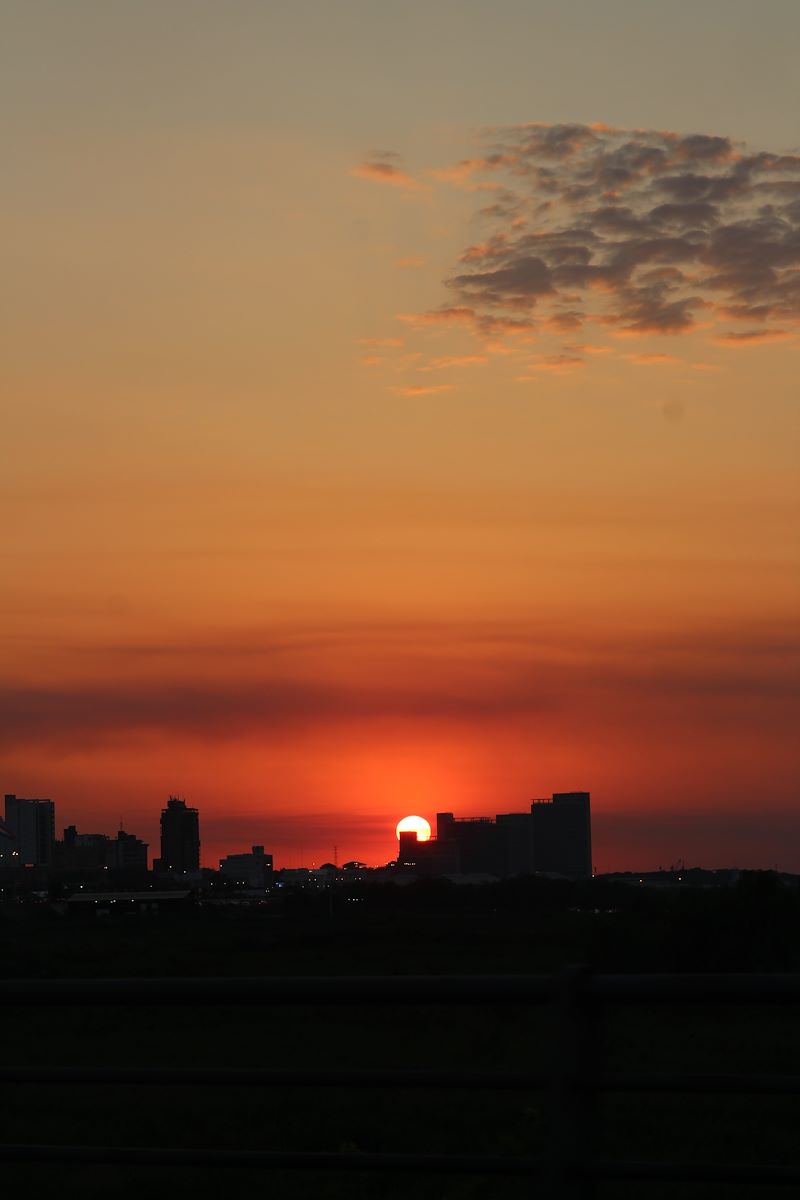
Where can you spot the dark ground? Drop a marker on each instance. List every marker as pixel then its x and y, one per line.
pixel 430 928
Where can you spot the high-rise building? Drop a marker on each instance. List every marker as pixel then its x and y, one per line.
pixel 561 834
pixel 33 825
pixel 180 839
pixel 554 837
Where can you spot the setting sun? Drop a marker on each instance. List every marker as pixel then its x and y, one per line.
pixel 416 825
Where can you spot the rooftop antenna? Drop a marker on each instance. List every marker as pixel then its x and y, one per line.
pixel 336 856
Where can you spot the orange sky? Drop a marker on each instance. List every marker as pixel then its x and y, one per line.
pixel 433 453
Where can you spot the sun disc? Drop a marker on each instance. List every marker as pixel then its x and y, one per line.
pixel 416 825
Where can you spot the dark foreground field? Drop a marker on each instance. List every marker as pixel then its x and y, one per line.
pixel 431 931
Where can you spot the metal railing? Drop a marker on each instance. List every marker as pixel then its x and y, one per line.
pixel 580 997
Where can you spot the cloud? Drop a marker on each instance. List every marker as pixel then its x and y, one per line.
pixel 653 359
pixel 461 173
pixel 411 261
pixel 441 316
pixel 383 167
pixel 418 389
pixel 749 337
pixel 484 325
pixel 735 678
pixel 559 362
pixel 643 231
pixel 659 836
pixel 455 360
pixel 565 322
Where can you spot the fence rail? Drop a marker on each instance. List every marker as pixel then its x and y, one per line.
pixel 579 997
pixel 408 989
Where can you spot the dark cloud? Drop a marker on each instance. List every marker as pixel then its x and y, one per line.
pixel 584 215
pixel 744 680
pixel 701 147
pixel 87 715
pixel 697 213
pixel 751 838
pixel 509 286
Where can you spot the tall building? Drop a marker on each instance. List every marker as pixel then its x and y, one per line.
pixel 476 840
pixel 180 839
pixel 33 825
pixel 561 833
pixel 554 837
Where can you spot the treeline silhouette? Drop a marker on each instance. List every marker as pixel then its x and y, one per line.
pixel 527 924
pixel 610 926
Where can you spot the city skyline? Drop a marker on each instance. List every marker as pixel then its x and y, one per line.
pixel 553 837
pixel 314 854
pixel 412 431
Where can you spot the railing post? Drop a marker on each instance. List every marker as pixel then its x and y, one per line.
pixel 574 1098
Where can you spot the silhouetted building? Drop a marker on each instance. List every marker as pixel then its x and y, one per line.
pixel 252 870
pixel 555 837
pixel 562 834
pixel 95 852
pixel 81 851
pixel 9 854
pixel 180 839
pixel 127 853
pixel 433 857
pixel 476 841
pixel 33 825
pixel 513 848
pixel 407 849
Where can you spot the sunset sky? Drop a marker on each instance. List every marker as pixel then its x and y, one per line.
pixel 400 414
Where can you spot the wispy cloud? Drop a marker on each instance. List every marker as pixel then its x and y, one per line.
pixel 559 362
pixel 446 362
pixel 751 337
pixel 487 325
pixel 654 360
pixel 383 166
pixel 418 389
pixel 459 315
